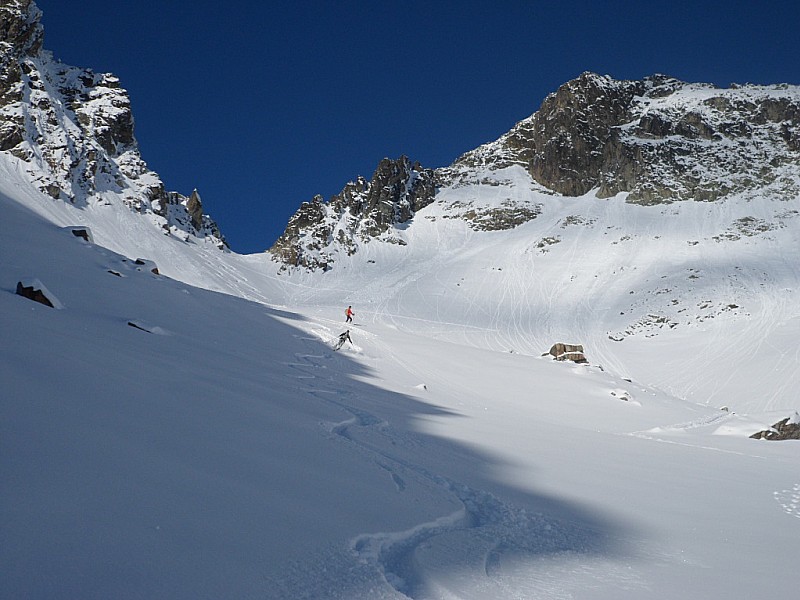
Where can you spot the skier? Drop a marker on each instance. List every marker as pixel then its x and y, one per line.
pixel 343 337
pixel 349 314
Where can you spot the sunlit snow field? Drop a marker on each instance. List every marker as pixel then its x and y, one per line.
pixel 220 447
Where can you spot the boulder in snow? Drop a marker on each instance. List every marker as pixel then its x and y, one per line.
pixel 786 429
pixel 146 264
pixel 573 352
pixel 82 232
pixel 36 291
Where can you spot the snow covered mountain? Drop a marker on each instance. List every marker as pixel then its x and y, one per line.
pixel 657 141
pixel 363 211
pixel 187 431
pixel 72 130
pixel 620 212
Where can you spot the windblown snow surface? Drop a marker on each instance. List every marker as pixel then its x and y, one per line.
pixel 193 435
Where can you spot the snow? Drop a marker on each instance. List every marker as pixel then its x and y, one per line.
pixel 193 435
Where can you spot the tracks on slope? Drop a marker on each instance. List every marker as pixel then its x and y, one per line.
pixel 474 538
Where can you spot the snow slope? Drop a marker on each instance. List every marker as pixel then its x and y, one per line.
pixel 698 299
pixel 160 439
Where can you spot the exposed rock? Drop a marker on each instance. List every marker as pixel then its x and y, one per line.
pixel 572 352
pixel 73 130
pixel 362 212
pixel 84 233
pixel 295 249
pixel 139 327
pixel 786 429
pixel 22 35
pixel 397 190
pixel 658 139
pixel 149 265
pixel 34 290
pixel 194 207
pixel 507 216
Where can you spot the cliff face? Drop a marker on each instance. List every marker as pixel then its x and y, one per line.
pixel 73 131
pixel 361 212
pixel 658 139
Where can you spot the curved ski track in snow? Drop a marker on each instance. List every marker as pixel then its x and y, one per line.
pixel 485 541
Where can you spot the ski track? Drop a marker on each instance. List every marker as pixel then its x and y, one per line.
pixel 516 301
pixel 521 299
pixel 487 529
pixel 658 434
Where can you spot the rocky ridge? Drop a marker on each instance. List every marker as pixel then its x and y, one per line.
pixel 73 132
pixel 658 140
pixel 363 211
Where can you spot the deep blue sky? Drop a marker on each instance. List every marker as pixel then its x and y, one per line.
pixel 260 105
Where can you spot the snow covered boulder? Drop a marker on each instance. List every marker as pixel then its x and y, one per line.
pixel 787 429
pixel 573 352
pixel 34 290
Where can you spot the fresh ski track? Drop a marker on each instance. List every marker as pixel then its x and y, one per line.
pixel 480 533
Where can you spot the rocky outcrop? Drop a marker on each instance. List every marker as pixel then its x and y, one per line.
pixel 658 139
pixel 571 352
pixel 73 131
pixel 194 206
pixel 34 290
pixel 508 215
pixel 786 429
pixel 85 233
pixel 363 211
pixel 20 35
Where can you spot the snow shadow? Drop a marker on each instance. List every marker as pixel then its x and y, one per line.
pixel 238 456
pixel 468 529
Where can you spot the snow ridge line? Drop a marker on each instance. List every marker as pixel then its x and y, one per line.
pixel 685 426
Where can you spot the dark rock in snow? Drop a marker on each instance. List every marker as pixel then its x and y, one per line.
pixel 572 352
pixel 147 264
pixel 139 327
pixel 786 429
pixel 34 292
pixel 82 232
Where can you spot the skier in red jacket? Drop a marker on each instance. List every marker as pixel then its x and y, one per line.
pixel 349 314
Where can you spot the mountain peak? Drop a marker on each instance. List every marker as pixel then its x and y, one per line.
pixel 362 211
pixel 656 140
pixel 72 131
pixel 20 28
